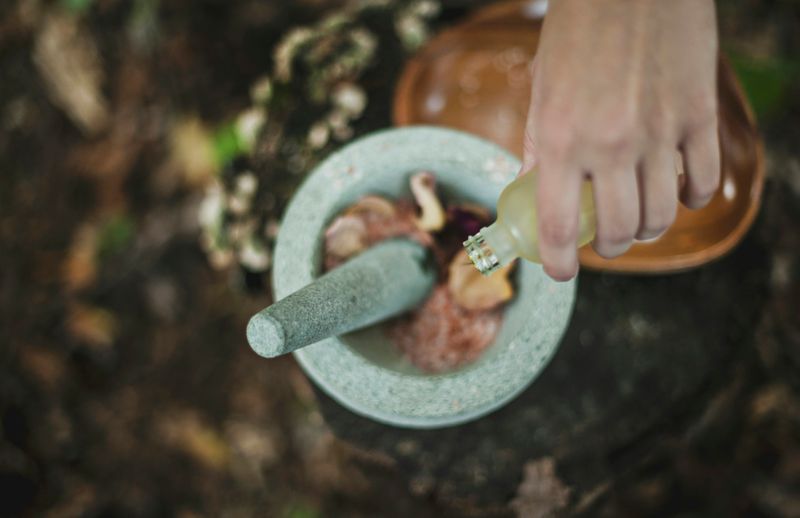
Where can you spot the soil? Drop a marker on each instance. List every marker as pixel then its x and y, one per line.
pixel 127 387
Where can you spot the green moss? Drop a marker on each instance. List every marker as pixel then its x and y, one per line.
pixel 301 510
pixel 116 234
pixel 76 6
pixel 765 81
pixel 227 144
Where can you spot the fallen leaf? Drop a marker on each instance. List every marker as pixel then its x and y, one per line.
pixel 80 265
pixel 46 366
pixel 541 493
pixel 471 290
pixel 187 432
pixel 95 326
pixel 67 58
pixel 192 151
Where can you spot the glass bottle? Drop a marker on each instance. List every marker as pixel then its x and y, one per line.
pixel 515 233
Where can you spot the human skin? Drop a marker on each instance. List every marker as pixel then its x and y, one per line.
pixel 618 87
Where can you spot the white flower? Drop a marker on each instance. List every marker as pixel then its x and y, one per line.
pixel 246 184
pixel 212 206
pixel 318 135
pixel 248 125
pixel 350 99
pixel 261 91
pixel 254 255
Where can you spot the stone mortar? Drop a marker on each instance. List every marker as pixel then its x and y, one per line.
pixel 362 370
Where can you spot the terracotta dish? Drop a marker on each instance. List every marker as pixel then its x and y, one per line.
pixel 474 77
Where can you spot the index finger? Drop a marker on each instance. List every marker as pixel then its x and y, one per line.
pixel 557 208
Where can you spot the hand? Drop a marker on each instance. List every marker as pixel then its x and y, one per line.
pixel 618 87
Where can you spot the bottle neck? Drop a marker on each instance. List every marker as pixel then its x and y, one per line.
pixel 491 248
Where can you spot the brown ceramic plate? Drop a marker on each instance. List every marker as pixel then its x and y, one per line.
pixel 473 77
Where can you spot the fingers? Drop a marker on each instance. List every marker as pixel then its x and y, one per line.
pixel 557 205
pixel 702 167
pixel 528 144
pixel 658 193
pixel 616 204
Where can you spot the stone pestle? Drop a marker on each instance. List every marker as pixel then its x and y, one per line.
pixel 381 282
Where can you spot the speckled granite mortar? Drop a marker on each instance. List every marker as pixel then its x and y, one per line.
pixel 362 370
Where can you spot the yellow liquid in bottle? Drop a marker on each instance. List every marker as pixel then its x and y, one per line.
pixel 516 233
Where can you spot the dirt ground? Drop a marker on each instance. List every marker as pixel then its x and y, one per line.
pixel 126 384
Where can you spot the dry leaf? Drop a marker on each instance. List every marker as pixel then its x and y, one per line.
pixel 471 290
pixel 346 237
pixel 67 58
pixel 186 431
pixel 46 366
pixel 95 326
pixel 541 494
pixel 192 151
pixel 423 187
pixel 80 265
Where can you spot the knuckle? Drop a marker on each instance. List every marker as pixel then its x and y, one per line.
pixel 703 116
pixel 615 235
pixel 618 138
pixel 655 222
pixel 661 124
pixel 557 231
pixel 557 139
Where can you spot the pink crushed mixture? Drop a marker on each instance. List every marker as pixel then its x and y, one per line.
pixel 440 335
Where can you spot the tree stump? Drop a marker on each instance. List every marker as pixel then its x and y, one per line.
pixel 642 356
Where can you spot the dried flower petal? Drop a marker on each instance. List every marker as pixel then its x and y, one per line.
pixel 372 205
pixel 346 237
pixel 423 187
pixel 472 290
pixel 468 219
